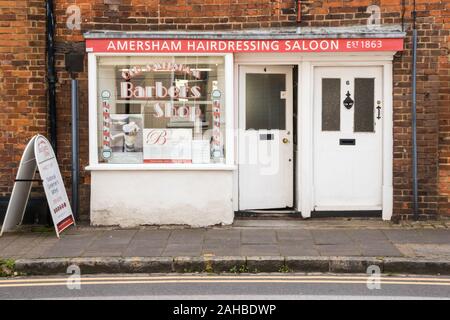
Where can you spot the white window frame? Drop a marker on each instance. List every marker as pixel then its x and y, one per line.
pixel 93 119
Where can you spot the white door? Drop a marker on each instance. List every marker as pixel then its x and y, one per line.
pixel 348 138
pixel 266 161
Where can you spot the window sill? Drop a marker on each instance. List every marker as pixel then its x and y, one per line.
pixel 160 167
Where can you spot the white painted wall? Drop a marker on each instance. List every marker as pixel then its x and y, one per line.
pixel 133 198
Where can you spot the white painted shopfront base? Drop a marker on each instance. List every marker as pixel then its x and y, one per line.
pixel 134 198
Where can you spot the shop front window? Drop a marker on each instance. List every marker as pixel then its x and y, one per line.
pixel 161 109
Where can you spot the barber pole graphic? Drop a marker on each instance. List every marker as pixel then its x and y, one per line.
pixel 216 148
pixel 106 125
pixel 106 147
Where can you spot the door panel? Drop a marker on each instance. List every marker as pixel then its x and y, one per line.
pixel 265 137
pixel 347 139
pixel 264 109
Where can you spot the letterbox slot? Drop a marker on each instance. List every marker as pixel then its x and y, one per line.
pixel 347 142
pixel 266 136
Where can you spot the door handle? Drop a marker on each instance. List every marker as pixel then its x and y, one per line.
pixel 378 112
pixel 285 140
pixel 378 109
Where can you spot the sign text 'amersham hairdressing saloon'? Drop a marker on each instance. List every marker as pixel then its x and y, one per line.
pixel 242 46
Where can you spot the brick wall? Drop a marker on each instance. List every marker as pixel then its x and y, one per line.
pixel 22 88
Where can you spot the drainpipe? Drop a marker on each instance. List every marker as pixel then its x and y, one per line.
pixel 75 151
pixel 74 63
pixel 298 13
pixel 298 10
pixel 414 117
pixel 51 72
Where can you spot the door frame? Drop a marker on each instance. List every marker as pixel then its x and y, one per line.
pixel 373 72
pixel 304 161
pixel 282 69
pixel 307 131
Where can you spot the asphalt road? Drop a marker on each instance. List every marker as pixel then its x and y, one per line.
pixel 261 287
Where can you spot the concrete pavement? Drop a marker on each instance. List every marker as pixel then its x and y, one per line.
pixel 320 245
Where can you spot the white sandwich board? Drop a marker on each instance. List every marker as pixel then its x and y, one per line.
pixel 39 155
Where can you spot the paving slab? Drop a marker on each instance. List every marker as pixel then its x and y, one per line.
pixel 338 250
pixel 217 234
pixel 21 245
pixel 152 235
pixel 190 236
pixel 438 236
pixel 102 247
pixel 229 251
pixel 290 235
pixel 431 251
pixel 366 235
pixel 264 236
pixel 330 237
pixel 182 250
pixel 222 243
pixel 63 252
pixel 7 239
pixel 79 231
pixel 79 241
pixel 260 250
pixel 404 236
pixel 141 250
pixel 116 236
pixel 42 247
pixel 160 243
pixel 297 242
pixel 380 249
pixel 103 253
pixel 293 250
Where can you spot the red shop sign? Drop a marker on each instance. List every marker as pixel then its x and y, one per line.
pixel 242 46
